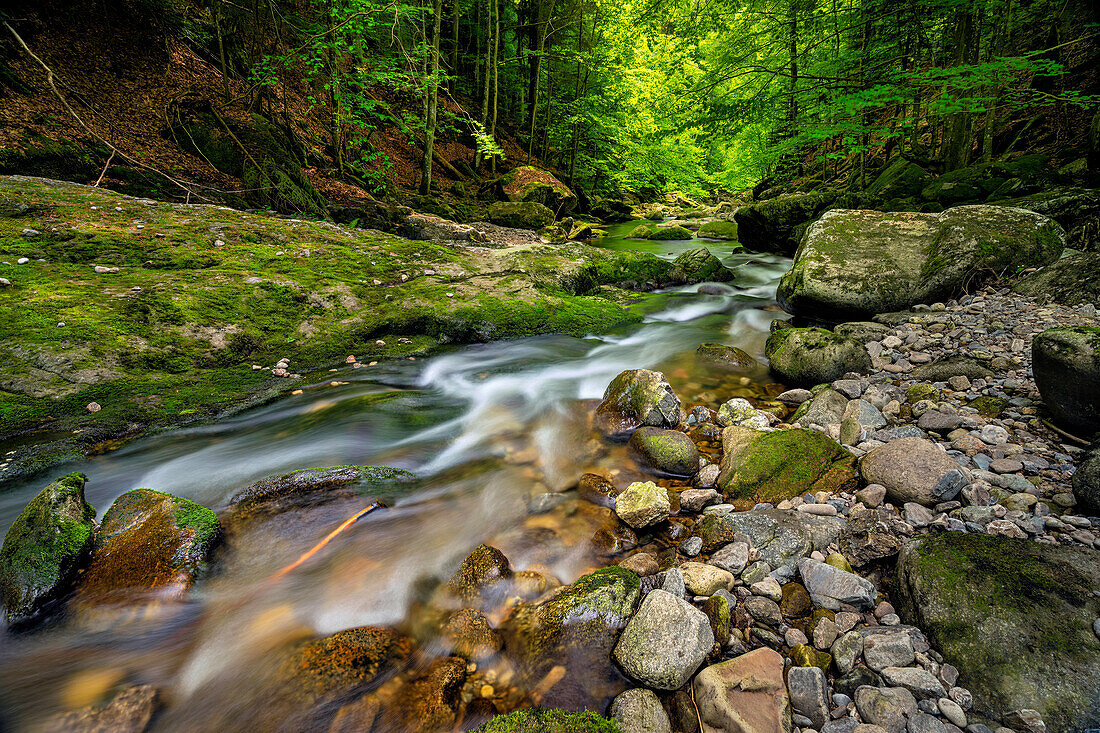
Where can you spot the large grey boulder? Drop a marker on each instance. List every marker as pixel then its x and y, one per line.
pixel 913 470
pixel 808 356
pixel 785 536
pixel 854 263
pixel 635 398
pixel 1015 617
pixel 1066 363
pixel 665 642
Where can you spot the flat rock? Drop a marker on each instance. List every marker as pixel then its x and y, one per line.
pixel 745 694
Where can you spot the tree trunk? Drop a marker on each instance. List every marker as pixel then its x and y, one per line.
pixel 431 93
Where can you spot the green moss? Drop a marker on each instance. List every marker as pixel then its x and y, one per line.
pixel 549 721
pixel 670 233
pixel 778 465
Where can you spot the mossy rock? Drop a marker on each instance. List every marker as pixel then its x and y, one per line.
pixel 1066 363
pixel 810 356
pixel 666 451
pixel 636 398
pixel 1015 617
pixel 715 531
pixel 699 264
pixel 902 177
pixel 482 576
pixel 1073 280
pixel 719 229
pixel 670 233
pixel 770 466
pixel 521 214
pixel 529 184
pixel 549 721
pixel 313 486
pixel 45 547
pixel 725 358
pixel 988 406
pixel 717 609
pixel 796 602
pixel 577 628
pixel 149 544
pixel 776 225
pixel 336 665
pixel 642 231
pixel 921 391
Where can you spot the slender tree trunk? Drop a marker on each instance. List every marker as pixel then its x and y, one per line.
pixel 496 79
pixel 431 98
pixel 217 13
pixel 333 62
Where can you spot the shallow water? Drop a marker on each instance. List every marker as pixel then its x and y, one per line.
pixel 485 427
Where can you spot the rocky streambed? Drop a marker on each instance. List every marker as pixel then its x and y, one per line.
pixel 893 531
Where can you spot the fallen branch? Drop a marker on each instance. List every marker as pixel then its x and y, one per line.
pixel 104 171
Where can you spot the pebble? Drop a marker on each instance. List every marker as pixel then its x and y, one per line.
pixel 22 260
pixel 94 407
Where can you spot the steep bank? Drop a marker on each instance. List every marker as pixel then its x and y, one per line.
pixel 154 313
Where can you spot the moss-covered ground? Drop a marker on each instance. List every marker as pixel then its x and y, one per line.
pixel 203 292
pixel 549 721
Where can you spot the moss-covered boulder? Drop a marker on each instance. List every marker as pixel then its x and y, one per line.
pixel 1015 617
pixel 719 229
pixel 521 214
pixel 698 265
pixel 725 358
pixel 666 451
pixel 635 398
pixel 773 465
pixel 549 721
pixel 1077 210
pixel 334 666
pixel 899 179
pixel 666 233
pixel 642 231
pixel 44 548
pixel 312 486
pixel 482 578
pixel 852 264
pixel 149 546
pixel 808 356
pixel 576 628
pixel 529 184
pixel 776 225
pixel 1066 363
pixel 1072 280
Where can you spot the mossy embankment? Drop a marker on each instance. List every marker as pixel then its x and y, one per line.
pixel 203 292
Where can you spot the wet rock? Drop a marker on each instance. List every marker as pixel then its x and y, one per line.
pixel 334 666
pixel 795 601
pixel 699 265
pixel 643 504
pixel 149 545
pixel 913 470
pixel 467 634
pixel 775 465
pixel 830 587
pixel 808 692
pixel 639 711
pixel 872 535
pixel 804 655
pixel 1014 617
pixel 575 628
pixel 597 490
pixel 858 263
pixel 45 547
pixel 665 642
pixel 744 694
pixel 666 451
pixel 482 578
pixel 643 564
pixel 310 487
pixel 635 398
pixel 887 707
pixel 1066 362
pixel 430 702
pixel 725 358
pixel 716 531
pixel 130 711
pixel 718 610
pixel 809 356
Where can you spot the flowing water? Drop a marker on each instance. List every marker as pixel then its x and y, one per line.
pixel 484 427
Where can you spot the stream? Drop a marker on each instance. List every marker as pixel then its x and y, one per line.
pixel 485 428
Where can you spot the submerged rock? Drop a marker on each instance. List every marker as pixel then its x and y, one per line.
pixel 483 577
pixel 1066 362
pixel 150 545
pixel 775 465
pixel 809 356
pixel 635 398
pixel 745 694
pixel 337 665
pixel 666 451
pixel 577 628
pixel 45 547
pixel 1015 617
pixel 857 263
pixel 728 358
pixel 130 711
pixel 298 489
